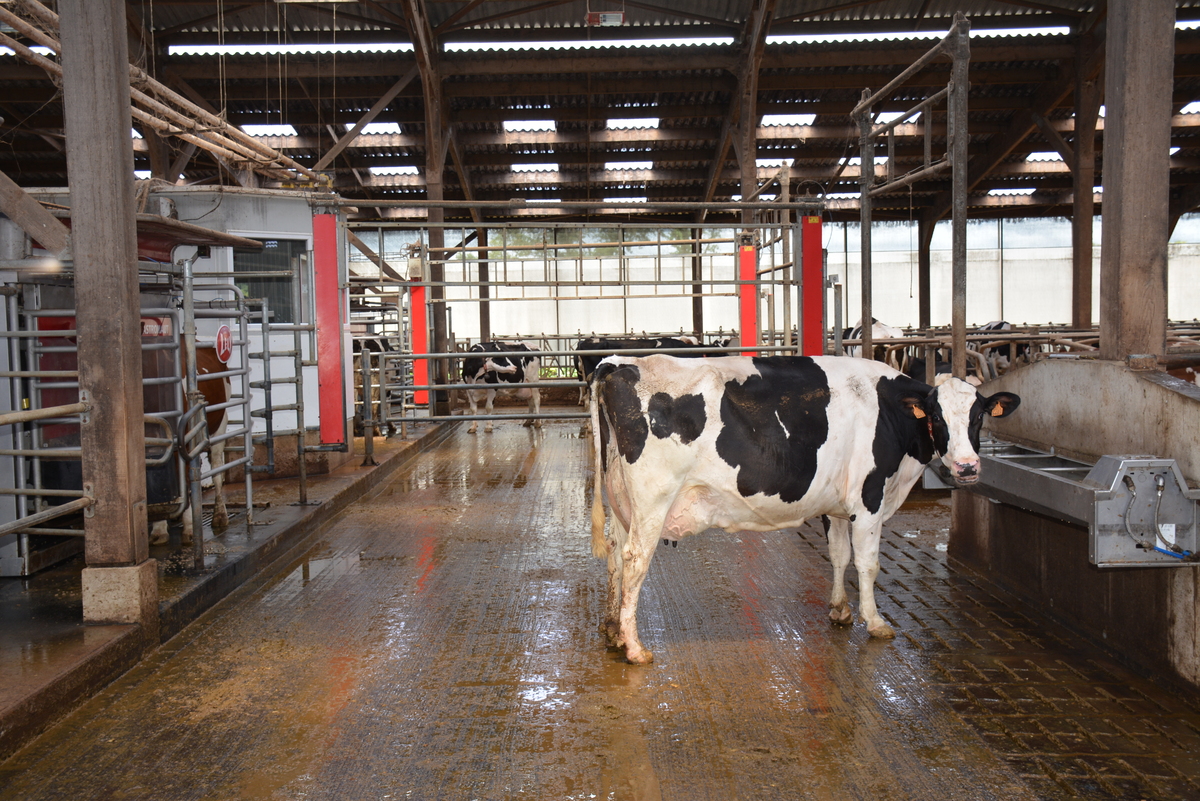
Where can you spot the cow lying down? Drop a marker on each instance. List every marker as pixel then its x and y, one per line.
pixel 759 444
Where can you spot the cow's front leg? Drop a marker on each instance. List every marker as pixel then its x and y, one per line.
pixel 838 531
pixel 637 553
pixel 866 560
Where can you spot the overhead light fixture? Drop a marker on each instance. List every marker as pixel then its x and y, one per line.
pixel 606 18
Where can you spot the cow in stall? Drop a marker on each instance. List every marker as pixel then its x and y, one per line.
pixel 215 391
pixel 501 366
pixel 881 353
pixel 744 443
pixel 591 351
pixel 1000 358
pixel 380 370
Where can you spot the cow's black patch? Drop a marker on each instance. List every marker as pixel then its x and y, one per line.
pixel 617 384
pixel 773 424
pixel 683 416
pixel 897 434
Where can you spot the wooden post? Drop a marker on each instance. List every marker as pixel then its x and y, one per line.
pixel 1087 105
pixel 100 161
pixel 120 582
pixel 485 288
pixel 1138 79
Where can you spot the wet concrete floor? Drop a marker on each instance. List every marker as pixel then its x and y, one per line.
pixel 439 641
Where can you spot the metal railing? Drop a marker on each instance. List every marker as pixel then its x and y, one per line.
pixel 956 46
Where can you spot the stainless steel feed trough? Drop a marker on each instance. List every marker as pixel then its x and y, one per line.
pixel 1139 510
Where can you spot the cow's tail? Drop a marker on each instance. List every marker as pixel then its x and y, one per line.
pixel 599 547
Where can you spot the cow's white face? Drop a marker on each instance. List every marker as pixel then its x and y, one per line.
pixel 956 412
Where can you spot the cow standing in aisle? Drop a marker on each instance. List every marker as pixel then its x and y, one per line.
pixel 501 366
pixel 216 391
pixel 591 351
pixel 760 444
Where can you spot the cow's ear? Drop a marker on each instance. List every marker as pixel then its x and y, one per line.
pixel 1001 404
pixel 912 405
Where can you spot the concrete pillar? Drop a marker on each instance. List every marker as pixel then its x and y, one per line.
pixel 100 168
pixel 1138 79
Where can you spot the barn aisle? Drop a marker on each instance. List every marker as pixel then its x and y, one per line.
pixel 439 641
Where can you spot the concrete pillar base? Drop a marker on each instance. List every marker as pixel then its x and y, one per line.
pixel 123 595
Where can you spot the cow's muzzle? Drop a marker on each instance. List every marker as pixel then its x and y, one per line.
pixel 966 472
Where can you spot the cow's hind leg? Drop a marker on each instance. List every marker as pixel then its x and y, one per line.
pixel 473 401
pixel 535 407
pixel 866 560
pixel 220 518
pixel 838 531
pixel 636 555
pixel 610 627
pixel 491 397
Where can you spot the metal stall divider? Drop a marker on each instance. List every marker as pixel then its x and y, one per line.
pixel 34 451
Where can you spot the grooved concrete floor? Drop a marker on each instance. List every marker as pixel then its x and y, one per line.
pixel 440 642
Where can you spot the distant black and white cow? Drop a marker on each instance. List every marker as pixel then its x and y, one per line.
pixel 882 353
pixel 682 445
pixel 1001 357
pixel 590 351
pixel 501 366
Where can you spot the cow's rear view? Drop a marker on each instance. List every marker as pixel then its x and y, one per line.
pixel 683 445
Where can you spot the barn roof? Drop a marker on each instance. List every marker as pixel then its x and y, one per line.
pixel 526 90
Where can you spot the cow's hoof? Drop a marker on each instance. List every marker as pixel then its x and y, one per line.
pixel 882 632
pixel 220 521
pixel 158 533
pixel 472 429
pixel 841 615
pixel 612 633
pixel 639 657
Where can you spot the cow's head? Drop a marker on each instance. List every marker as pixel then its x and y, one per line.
pixel 954 413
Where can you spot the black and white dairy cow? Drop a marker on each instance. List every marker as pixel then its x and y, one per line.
pixel 759 444
pixel 502 366
pixel 591 351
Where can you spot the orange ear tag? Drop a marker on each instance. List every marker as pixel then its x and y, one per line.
pixel 997 410
pixel 918 412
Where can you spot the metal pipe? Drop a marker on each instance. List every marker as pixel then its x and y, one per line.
pixel 11 418
pixel 303 467
pixel 368 414
pixel 941 48
pixel 194 399
pixel 909 178
pixel 67 508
